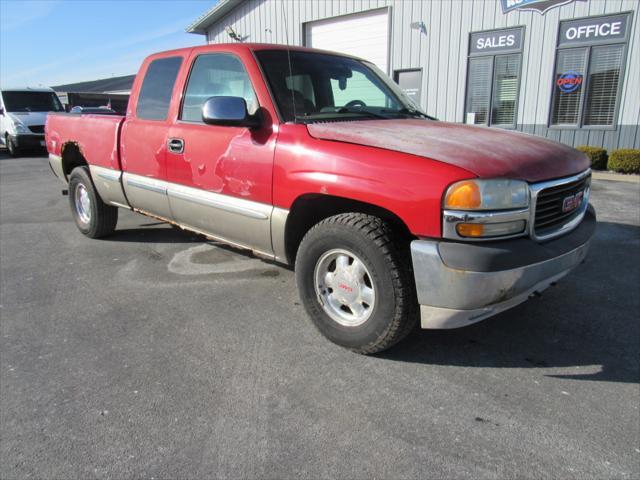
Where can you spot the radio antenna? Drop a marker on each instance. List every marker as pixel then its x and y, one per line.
pixel 286 36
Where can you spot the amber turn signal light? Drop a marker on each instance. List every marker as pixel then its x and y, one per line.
pixel 470 229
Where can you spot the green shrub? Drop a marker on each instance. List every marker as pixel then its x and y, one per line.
pixel 625 160
pixel 597 155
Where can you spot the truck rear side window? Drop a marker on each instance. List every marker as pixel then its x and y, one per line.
pixel 157 87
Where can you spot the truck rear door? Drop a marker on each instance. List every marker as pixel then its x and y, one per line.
pixel 220 176
pixel 144 135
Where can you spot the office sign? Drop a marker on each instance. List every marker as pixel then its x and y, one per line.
pixel 540 6
pixel 594 30
pixel 496 41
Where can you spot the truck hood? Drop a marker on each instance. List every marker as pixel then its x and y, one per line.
pixel 486 152
pixel 28 118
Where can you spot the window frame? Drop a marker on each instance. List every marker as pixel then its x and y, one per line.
pixel 192 64
pixel 492 56
pixel 583 97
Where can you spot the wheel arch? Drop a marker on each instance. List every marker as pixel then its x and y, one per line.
pixel 72 157
pixel 309 209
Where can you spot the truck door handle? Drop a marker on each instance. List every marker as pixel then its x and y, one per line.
pixel 175 145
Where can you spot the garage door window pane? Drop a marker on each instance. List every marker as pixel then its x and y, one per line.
pixel 213 76
pixel 157 87
pixel 505 89
pixel 479 90
pixel 568 85
pixel 604 77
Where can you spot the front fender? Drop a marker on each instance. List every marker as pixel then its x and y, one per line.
pixel 409 186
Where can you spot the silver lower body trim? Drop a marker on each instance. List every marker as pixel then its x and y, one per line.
pixel 55 161
pixel 109 186
pixel 451 298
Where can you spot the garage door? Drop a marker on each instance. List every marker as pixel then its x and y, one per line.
pixel 364 35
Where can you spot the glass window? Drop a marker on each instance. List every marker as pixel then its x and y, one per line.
pixel 567 92
pixel 603 81
pixel 157 87
pixel 302 84
pixel 216 75
pixel 479 90
pixel 20 101
pixel 589 70
pixel 358 88
pixel 310 86
pixel 492 90
pixel 505 90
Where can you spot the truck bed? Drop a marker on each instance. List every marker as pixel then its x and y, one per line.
pixel 95 135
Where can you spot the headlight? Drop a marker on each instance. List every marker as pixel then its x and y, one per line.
pixel 493 194
pixel 486 209
pixel 20 128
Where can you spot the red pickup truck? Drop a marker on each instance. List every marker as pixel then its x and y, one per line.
pixel 318 160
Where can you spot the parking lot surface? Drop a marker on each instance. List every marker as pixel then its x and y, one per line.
pixel 155 354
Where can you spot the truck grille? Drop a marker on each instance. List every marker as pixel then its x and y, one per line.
pixel 36 128
pixel 550 214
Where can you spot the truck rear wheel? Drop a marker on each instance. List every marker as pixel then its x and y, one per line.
pixel 93 217
pixel 355 282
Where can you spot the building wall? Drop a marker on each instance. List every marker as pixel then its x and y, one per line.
pixel 442 53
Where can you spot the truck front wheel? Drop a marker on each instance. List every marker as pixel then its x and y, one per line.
pixel 355 282
pixel 93 217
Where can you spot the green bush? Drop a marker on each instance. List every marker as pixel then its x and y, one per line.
pixel 597 155
pixel 625 160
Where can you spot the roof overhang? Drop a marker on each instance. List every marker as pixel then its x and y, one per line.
pixel 202 24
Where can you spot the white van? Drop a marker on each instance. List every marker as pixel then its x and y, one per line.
pixel 23 113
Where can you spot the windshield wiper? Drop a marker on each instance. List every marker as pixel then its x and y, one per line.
pixel 410 111
pixel 362 112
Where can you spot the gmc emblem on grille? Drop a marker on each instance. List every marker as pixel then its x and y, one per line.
pixel 572 202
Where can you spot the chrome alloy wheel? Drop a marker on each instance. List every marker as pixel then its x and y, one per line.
pixel 82 202
pixel 344 287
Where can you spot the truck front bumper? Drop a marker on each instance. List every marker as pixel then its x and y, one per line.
pixel 462 283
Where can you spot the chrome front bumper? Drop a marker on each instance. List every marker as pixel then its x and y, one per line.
pixel 453 296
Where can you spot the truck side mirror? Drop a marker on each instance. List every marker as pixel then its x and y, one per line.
pixel 1 111
pixel 228 111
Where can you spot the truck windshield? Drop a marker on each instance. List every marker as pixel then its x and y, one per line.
pixel 316 86
pixel 31 102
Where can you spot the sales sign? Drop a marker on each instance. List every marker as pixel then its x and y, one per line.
pixel 496 41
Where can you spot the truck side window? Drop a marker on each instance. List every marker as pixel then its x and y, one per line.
pixel 157 87
pixel 215 75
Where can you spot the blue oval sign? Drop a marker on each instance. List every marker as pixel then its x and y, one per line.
pixel 569 81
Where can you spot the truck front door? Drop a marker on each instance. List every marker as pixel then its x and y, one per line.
pixel 220 176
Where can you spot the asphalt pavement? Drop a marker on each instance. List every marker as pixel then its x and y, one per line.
pixel 155 354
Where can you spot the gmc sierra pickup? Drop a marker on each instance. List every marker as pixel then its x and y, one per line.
pixel 318 160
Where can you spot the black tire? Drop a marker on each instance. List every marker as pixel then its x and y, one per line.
pixel 387 259
pixel 14 151
pixel 97 219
